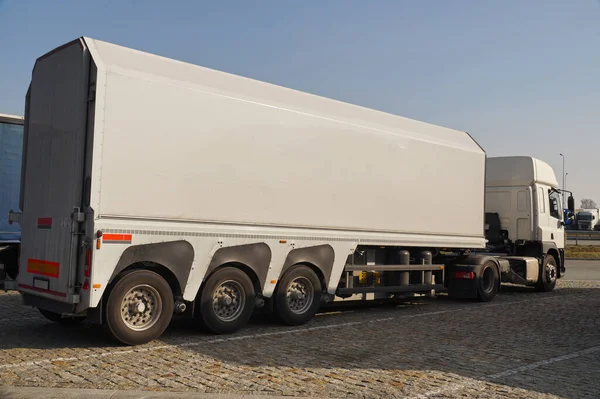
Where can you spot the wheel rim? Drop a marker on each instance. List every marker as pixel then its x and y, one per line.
pixel 300 294
pixel 141 307
pixel 488 280
pixel 550 273
pixel 229 300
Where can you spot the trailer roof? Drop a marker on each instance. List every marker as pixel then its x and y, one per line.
pixel 518 171
pixel 14 119
pixel 122 60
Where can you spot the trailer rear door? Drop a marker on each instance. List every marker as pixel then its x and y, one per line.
pixel 53 174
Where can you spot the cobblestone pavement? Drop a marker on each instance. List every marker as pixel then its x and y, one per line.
pixel 523 344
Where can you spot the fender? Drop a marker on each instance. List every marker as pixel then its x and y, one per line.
pixel 177 256
pixel 255 256
pixel 321 256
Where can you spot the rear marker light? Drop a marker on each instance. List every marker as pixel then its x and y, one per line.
pixel 465 275
pixel 86 285
pixel 88 263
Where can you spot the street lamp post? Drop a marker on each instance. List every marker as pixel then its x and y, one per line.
pixel 564 178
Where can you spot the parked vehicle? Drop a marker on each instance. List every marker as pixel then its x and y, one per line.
pixel 154 187
pixel 569 218
pixel 11 142
pixel 587 219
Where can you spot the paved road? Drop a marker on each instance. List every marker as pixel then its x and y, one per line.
pixel 583 270
pixel 524 344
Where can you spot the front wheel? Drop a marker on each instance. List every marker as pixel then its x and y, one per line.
pixel 488 282
pixel 298 296
pixel 139 307
pixel 548 273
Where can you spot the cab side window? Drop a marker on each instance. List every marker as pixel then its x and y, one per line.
pixel 554 205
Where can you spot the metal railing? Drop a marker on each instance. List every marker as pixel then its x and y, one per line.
pixel 587 235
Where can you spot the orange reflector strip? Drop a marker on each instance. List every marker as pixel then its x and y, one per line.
pixel 98 243
pixel 117 238
pixel 96 286
pixel 282 241
pixel 273 281
pixel 43 267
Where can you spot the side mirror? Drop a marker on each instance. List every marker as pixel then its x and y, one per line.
pixel 571 202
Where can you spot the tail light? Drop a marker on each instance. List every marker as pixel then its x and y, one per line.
pixel 465 275
pixel 88 263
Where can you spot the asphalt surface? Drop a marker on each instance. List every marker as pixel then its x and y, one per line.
pixel 524 344
pixel 583 270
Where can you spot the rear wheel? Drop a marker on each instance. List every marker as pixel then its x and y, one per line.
pixel 139 307
pixel 488 282
pixel 10 259
pixel 226 301
pixel 548 273
pixel 298 296
pixel 57 318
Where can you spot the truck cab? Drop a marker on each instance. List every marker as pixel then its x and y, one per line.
pixel 524 214
pixel 587 219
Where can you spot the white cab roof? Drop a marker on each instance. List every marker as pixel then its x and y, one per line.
pixel 518 171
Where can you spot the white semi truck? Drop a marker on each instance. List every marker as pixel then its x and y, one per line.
pixel 154 187
pixel 587 219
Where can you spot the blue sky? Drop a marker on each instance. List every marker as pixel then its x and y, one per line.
pixel 523 77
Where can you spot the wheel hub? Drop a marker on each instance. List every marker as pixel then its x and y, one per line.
pixel 141 307
pixel 229 300
pixel 551 273
pixel 300 295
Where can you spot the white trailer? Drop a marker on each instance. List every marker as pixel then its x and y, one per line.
pixel 154 186
pixel 11 142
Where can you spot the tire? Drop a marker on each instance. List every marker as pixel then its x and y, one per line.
pixel 548 273
pixel 489 282
pixel 226 301
pixel 57 318
pixel 139 307
pixel 10 259
pixel 298 296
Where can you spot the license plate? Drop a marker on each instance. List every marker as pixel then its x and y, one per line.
pixel 41 284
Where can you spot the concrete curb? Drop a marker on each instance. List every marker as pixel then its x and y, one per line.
pixel 598 259
pixel 72 393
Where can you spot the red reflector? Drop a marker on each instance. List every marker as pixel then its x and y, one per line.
pixel 465 275
pixel 88 263
pixel 86 285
